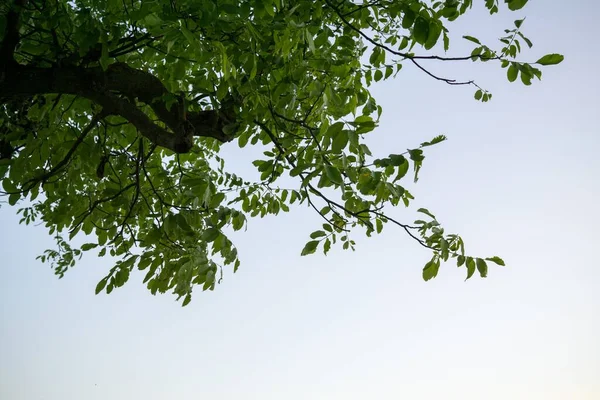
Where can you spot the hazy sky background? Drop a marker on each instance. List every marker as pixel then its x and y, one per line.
pixel 519 178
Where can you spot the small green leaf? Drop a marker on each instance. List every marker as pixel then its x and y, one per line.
pixel 388 72
pixel 210 234
pixel 375 56
pixel 104 60
pixel 496 260
pixel 431 269
pixel 402 170
pixel 397 160
pixel 408 19
pixel 416 155
pixel 470 267
pixel 309 39
pixel 526 77
pixel 421 30
pixel 478 94
pixel 551 59
pixel 426 212
pixel 340 141
pixel 435 140
pixel 88 246
pixel 512 72
pixel 317 234
pixel 472 39
pixel 446 41
pixel 191 38
pixel 334 175
pixel 482 267
pixel 243 139
pixel 100 286
pixel 514 5
pixel 326 246
pixel 13 198
pixel 310 248
pixel 9 186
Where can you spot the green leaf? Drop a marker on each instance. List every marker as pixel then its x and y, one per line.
pixel 379 225
pixel 431 269
pixel 472 39
pixel 190 37
pixel 309 39
pixel 88 246
pixel 374 58
pixel 340 141
pixel 446 41
pixel 326 246
pixel 100 286
pixel 388 72
pixel 434 141
pixel 470 263
pixel 334 175
pixel 421 30
pixel 496 260
pixel 104 59
pixel 551 59
pixel 402 170
pixel 9 186
pixel 310 248
pixel 397 160
pixel 512 72
pixel 426 212
pixel 317 234
pixel 408 19
pixel 519 22
pixel 525 77
pixel 482 267
pixel 13 198
pixel 416 155
pixel 514 5
pixel 210 234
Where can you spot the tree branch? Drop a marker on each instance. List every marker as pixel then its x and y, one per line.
pixel 103 88
pixel 411 57
pixel 47 175
pixel 11 36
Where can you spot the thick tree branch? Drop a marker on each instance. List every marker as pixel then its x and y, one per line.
pixel 11 36
pixel 104 88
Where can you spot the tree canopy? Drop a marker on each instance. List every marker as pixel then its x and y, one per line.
pixel 113 112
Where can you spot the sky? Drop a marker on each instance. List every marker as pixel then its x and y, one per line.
pixel 518 178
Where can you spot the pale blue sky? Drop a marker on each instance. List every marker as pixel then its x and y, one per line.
pixel 519 177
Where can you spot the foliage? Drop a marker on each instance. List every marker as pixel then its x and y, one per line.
pixel 113 114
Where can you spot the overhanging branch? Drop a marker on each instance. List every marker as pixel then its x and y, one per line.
pixel 109 88
pixel 411 57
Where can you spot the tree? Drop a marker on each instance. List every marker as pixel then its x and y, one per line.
pixel 113 113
